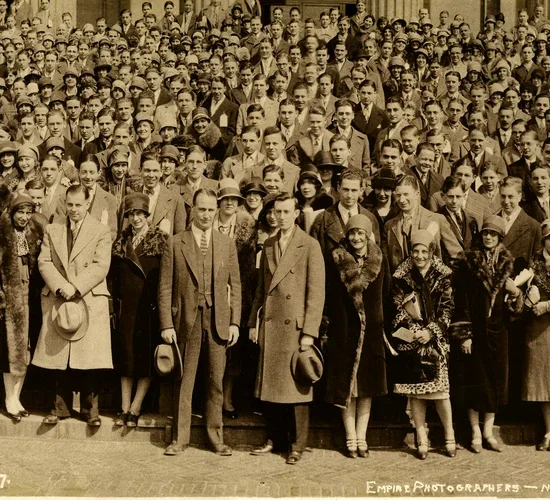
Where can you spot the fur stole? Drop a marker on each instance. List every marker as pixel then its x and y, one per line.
pixel 153 244
pixel 542 273
pixel 12 311
pixel 492 280
pixel 244 231
pixel 356 280
pixel 209 138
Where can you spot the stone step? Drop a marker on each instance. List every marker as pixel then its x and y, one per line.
pixel 248 429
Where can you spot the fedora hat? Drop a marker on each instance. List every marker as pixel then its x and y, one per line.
pixel 168 360
pixel 70 318
pixel 307 366
pixel 324 159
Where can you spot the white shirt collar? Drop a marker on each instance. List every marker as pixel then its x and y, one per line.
pixel 197 234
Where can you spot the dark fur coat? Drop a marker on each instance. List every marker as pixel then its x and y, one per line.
pixel 211 141
pixel 483 314
pixel 355 296
pixel 12 312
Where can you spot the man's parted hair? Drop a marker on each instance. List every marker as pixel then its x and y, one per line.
pixel 285 197
pixel 205 191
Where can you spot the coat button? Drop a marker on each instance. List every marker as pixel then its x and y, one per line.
pixel 287 322
pixel 289 296
pixel 85 264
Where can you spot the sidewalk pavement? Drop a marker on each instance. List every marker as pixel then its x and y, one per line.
pixel 31 467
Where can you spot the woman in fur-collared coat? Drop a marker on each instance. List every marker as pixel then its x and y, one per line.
pixel 21 235
pixel 135 275
pixel 240 226
pixel 207 134
pixel 485 297
pixel 356 365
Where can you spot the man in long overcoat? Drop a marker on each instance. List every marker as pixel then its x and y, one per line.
pixel 289 307
pixel 74 262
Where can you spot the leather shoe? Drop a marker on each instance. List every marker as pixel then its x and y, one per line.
pixel 121 419
pixel 174 449
pixel 94 422
pixel 294 457
pixel 24 413
pixel 231 414
pixel 132 420
pixel 16 417
pixel 223 450
pixel 544 445
pixel 52 419
pixel 263 450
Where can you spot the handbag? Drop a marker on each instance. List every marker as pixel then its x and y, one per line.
pixel 429 362
pixel 419 362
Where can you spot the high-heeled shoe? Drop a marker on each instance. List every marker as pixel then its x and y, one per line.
pixel 132 420
pixel 492 444
pixel 24 413
pixel 475 446
pixel 16 417
pixel 422 450
pixel 450 448
pixel 362 448
pixel 351 448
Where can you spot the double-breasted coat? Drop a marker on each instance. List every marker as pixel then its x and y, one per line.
pixel 135 277
pixel 291 296
pixel 86 268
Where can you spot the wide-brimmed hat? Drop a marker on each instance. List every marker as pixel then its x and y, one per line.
pixel 167 360
pixel 307 365
pixel 70 318
pixel 136 201
pixel 255 185
pixel 494 223
pixel 229 188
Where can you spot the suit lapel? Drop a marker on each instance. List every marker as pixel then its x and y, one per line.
pixel 290 257
pixel 218 251
pixel 270 256
pixel 335 230
pixel 189 252
pixel 59 242
pixel 397 231
pixel 162 206
pixel 85 234
pixel 518 229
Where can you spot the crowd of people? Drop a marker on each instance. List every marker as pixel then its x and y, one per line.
pixel 359 202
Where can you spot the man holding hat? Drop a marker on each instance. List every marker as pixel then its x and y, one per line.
pixel 284 321
pixel 200 309
pixel 74 262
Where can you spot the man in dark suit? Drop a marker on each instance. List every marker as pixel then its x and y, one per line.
pixel 200 309
pixel 522 233
pixel 537 205
pixel 291 296
pixel 522 167
pixel 166 207
pixel 462 224
pixel 328 228
pixel 369 118
pixel 154 82
pixel 106 120
pixel 125 26
pixel 56 123
pixel 223 112
pixel 429 181
pixel 352 43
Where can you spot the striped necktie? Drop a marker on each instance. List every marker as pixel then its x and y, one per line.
pixel 204 243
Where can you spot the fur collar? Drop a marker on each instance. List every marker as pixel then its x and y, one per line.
pixel 209 138
pixel 492 281
pixel 437 265
pixel 356 279
pixel 541 276
pixel 322 201
pixel 154 242
pixel 244 230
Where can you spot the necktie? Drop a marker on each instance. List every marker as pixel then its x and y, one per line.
pixel 204 243
pixel 316 145
pixel 546 207
pixel 224 229
pixel 149 192
pixel 424 179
